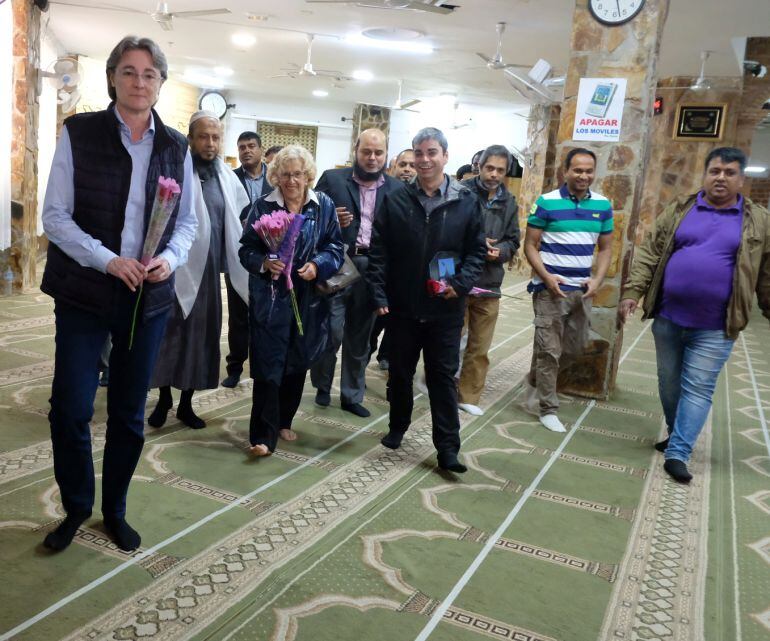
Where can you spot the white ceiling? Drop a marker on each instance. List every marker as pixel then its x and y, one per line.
pixel 536 29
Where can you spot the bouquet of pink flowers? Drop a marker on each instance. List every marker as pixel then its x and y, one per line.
pixel 166 196
pixel 279 231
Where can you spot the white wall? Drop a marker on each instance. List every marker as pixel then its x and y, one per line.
pixel 333 146
pixel 487 126
pixel 50 50
pixel 760 150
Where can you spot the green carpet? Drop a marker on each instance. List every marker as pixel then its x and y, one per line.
pixel 547 537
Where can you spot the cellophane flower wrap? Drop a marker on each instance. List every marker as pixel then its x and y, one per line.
pixel 279 230
pixel 438 287
pixel 166 196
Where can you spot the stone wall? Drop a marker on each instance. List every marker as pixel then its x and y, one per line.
pixel 22 255
pixel 760 191
pixel 368 117
pixel 540 173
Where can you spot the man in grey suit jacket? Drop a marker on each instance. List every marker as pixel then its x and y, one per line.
pixel 357 193
pixel 253 176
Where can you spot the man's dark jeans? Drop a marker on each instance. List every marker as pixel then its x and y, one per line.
pixel 80 336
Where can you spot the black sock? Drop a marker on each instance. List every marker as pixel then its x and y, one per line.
pixel 184 411
pixel 392 440
pixel 450 462
pixel 62 536
pixel 165 403
pixel 124 536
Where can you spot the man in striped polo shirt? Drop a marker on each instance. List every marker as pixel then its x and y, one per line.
pixel 563 229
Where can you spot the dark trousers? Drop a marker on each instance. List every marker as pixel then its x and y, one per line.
pixel 380 327
pixel 237 330
pixel 80 336
pixel 440 345
pixel 351 319
pixel 273 408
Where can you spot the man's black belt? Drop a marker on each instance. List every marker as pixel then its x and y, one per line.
pixel 361 251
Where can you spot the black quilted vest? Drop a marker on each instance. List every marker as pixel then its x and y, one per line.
pixel 102 178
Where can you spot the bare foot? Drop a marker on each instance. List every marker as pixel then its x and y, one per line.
pixel 288 434
pixel 259 450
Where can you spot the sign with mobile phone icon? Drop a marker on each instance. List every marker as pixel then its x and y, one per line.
pixel 599 109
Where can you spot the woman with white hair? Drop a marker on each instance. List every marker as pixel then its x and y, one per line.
pixel 279 355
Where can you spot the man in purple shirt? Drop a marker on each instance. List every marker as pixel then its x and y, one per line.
pixel 698 270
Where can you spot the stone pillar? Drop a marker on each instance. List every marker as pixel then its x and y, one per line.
pixel 368 117
pixel 628 51
pixel 540 171
pixel 22 254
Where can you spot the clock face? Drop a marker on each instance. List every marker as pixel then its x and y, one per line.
pixel 214 102
pixel 615 12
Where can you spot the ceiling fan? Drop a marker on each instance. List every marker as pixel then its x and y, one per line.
pixel 702 82
pixel 161 15
pixel 431 6
pixel 307 70
pixel 497 61
pixel 537 86
pixel 398 105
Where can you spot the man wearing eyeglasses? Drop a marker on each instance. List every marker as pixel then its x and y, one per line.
pixel 358 193
pixel 97 207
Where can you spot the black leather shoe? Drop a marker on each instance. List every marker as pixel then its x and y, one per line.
pixel 661 446
pixel 357 409
pixel 231 380
pixel 677 470
pixel 322 399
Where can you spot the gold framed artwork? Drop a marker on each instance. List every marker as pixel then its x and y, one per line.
pixel 700 122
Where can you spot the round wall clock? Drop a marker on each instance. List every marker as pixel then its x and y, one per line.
pixel 215 102
pixel 615 12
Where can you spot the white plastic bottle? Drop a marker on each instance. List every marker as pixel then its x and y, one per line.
pixel 8 282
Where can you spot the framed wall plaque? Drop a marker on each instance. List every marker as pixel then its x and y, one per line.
pixel 700 122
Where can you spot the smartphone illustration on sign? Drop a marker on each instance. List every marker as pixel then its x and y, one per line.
pixel 600 101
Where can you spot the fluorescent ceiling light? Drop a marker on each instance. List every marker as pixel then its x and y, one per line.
pixel 223 71
pixel 243 40
pixel 755 169
pixel 203 80
pixel 320 93
pixel 363 74
pixel 389 45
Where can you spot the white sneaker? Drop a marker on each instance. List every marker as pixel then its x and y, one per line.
pixel 475 410
pixel 552 422
pixel 421 385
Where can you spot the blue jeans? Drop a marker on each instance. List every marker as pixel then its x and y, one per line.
pixel 80 336
pixel 689 362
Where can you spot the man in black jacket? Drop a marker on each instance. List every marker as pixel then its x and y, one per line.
pixel 429 229
pixel 499 214
pixel 358 193
pixel 253 176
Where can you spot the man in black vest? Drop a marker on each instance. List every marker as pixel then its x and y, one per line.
pixel 97 207
pixel 253 176
pixel 357 193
